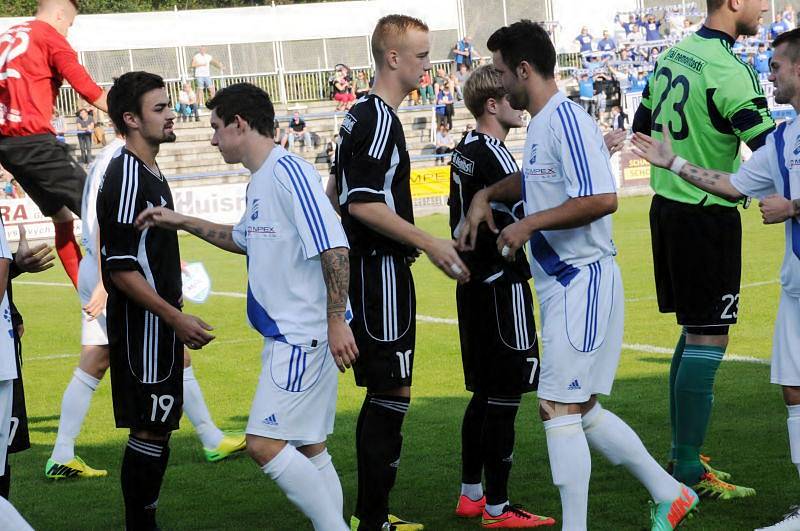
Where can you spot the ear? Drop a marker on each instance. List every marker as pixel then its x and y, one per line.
pixel 524 71
pixel 130 120
pixel 491 106
pixel 392 58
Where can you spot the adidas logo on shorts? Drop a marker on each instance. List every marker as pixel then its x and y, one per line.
pixel 574 386
pixel 271 420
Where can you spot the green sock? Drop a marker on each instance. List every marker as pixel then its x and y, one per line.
pixel 694 386
pixel 673 374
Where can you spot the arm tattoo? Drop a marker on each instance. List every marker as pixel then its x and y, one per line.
pixel 702 176
pixel 212 235
pixel 336 272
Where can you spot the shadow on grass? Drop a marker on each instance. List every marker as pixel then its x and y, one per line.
pixel 747 438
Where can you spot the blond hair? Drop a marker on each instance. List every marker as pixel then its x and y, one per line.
pixel 389 31
pixel 481 85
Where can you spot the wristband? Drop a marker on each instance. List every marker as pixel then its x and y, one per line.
pixel 677 165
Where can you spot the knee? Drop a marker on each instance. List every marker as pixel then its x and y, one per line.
pixel 791 395
pixel 263 450
pixel 550 409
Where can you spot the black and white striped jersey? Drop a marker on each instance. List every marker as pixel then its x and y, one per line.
pixel 149 346
pixel 478 161
pixel 372 165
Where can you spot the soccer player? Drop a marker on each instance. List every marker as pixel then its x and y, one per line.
pixel 35 58
pixel 374 195
pixel 142 275
pixel 710 102
pixel 298 272
pixel 569 193
pixel 63 461
pixel 495 313
pixel 768 176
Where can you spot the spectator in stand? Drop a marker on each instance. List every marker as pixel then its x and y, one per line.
pixel 455 85
pixel 465 53
pixel 653 56
pixel 652 29
pixel 778 27
pixel 639 83
pixel 439 80
pixel 469 127
pixel 201 62
pixel 280 137
pixel 8 189
pixel 636 35
pixel 362 84
pixel 762 33
pixel 99 131
pixel 607 44
pixel 619 119
pixel 426 94
pixel 789 15
pixel 584 40
pixel 762 59
pixel 297 128
pixel 18 191
pixel 631 25
pixel 444 143
pixel 444 106
pixel 85 125
pixel 187 103
pixel 342 92
pixel 462 74
pixel 586 93
pixel 59 126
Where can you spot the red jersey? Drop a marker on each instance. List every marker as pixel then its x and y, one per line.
pixel 34 61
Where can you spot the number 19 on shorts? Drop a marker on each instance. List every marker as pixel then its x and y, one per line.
pixel 161 403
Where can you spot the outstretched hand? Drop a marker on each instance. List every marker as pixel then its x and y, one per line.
pixel 654 151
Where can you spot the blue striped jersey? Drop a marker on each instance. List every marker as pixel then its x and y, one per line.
pixel 565 157
pixel 8 355
pixel 287 224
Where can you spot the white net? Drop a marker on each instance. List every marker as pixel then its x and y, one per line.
pixel 351 51
pixel 482 18
pixel 161 61
pixel 104 66
pixel 442 44
pixel 253 58
pixel 303 55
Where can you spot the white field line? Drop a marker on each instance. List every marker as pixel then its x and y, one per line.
pixel 636 347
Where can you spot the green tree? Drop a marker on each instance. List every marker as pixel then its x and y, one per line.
pixel 22 8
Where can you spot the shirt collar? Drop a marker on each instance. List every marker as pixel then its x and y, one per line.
pixel 708 33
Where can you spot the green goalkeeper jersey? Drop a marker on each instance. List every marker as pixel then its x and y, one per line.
pixel 710 101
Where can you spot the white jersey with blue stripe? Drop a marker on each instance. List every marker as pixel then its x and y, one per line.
pixel 775 169
pixel 565 157
pixel 8 354
pixel 89 227
pixel 288 223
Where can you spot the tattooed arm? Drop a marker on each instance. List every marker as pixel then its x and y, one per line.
pixel 336 272
pixel 214 233
pixel 660 154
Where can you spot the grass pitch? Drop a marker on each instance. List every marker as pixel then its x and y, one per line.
pixel 747 436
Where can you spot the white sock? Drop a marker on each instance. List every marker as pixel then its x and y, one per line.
pixel 303 485
pixel 496 510
pixel 793 423
pixel 609 435
pixel 74 405
pixel 571 467
pixel 195 408
pixel 473 491
pixel 10 518
pixel 324 464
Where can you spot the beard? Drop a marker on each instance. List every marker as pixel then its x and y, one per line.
pixel 747 28
pixel 518 100
pixel 170 137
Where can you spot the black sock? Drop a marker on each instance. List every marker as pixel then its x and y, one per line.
pixel 380 445
pixel 143 467
pixel 5 481
pixel 498 446
pixel 471 430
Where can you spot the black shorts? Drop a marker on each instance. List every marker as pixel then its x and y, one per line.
pixel 384 321
pixel 697 259
pixel 146 370
pixel 499 349
pixel 20 437
pixel 46 170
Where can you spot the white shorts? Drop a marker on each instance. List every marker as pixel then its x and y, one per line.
pixel 93 332
pixel 581 338
pixel 786 343
pixel 6 401
pixel 296 395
